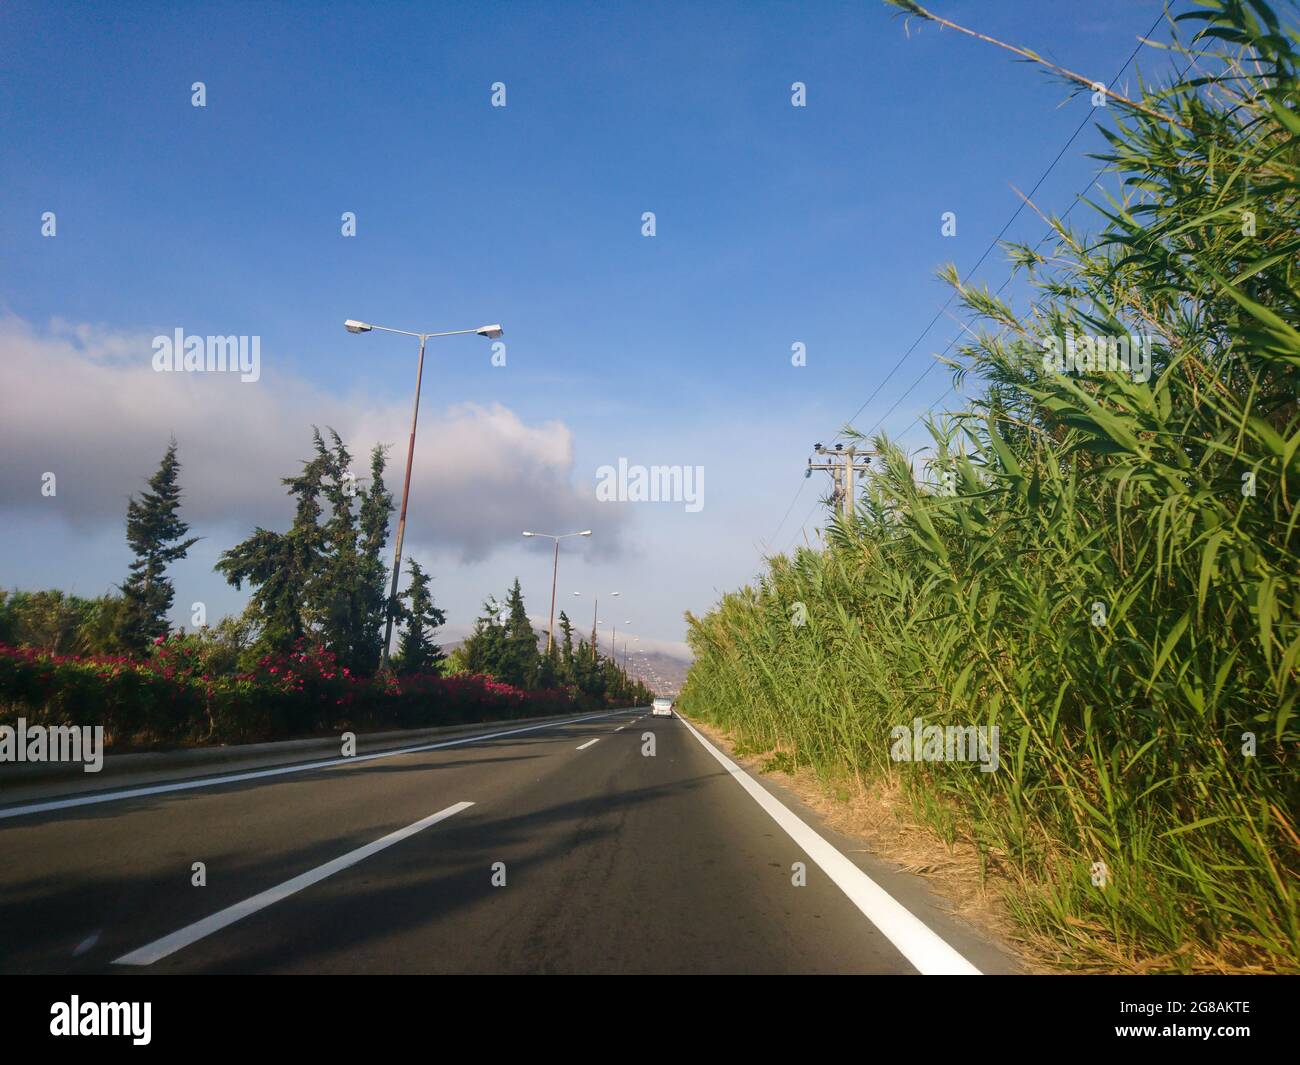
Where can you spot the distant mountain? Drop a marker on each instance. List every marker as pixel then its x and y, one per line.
pixel 663 674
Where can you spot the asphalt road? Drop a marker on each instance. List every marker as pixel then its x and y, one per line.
pixel 614 861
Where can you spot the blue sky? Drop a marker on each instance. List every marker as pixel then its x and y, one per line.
pixel 775 225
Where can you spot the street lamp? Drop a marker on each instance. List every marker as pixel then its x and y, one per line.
pixel 628 641
pixel 353 326
pixel 555 569
pixel 595 606
pixel 613 650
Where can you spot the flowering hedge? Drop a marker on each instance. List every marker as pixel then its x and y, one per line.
pixel 168 698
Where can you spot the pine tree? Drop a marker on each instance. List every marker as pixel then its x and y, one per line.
pixel 281 567
pixel 548 669
pixel 322 577
pixel 418 653
pixel 332 591
pixel 153 532
pixel 349 594
pixel 587 673
pixel 484 650
pixel 503 643
pixel 521 657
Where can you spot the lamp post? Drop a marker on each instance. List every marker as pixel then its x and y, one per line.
pixel 613 650
pixel 353 326
pixel 555 569
pixel 595 606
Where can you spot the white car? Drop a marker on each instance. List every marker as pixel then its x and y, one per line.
pixel 661 708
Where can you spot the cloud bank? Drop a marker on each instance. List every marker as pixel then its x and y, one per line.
pixel 84 403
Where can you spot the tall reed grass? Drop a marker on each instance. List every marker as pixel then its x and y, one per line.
pixel 1144 810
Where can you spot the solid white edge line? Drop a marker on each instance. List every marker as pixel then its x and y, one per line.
pixel 584 746
pixel 192 933
pixel 257 774
pixel 915 940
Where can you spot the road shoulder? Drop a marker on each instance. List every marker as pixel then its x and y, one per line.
pixel 968 920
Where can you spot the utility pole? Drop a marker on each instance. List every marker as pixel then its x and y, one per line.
pixel 842 464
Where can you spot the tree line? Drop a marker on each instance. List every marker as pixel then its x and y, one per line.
pixel 322 581
pixel 504 645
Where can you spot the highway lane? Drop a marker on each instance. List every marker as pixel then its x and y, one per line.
pixel 614 861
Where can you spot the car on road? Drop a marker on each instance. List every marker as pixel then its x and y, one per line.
pixel 661 708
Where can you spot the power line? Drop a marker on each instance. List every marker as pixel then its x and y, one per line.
pixel 1004 284
pixel 969 274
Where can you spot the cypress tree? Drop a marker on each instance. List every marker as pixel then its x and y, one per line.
pixel 154 532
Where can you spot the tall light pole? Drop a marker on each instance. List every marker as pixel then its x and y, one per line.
pixel 555 569
pixel 613 650
pixel 353 326
pixel 595 606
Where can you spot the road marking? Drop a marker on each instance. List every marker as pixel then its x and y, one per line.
pixel 620 728
pixel 86 944
pixel 258 774
pixel 161 948
pixel 915 940
pixel 584 746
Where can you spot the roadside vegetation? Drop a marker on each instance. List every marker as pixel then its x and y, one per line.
pixel 302 658
pixel 1103 567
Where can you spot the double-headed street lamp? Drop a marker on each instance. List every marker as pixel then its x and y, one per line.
pixel 353 326
pixel 595 606
pixel 555 569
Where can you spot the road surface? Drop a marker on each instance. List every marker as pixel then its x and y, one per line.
pixel 613 861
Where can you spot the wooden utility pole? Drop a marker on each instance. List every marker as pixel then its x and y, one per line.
pixel 842 464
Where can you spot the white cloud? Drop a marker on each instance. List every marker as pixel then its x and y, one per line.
pixel 84 402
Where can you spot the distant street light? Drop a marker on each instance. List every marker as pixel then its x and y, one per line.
pixel 595 606
pixel 628 649
pixel 613 650
pixel 353 326
pixel 555 569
